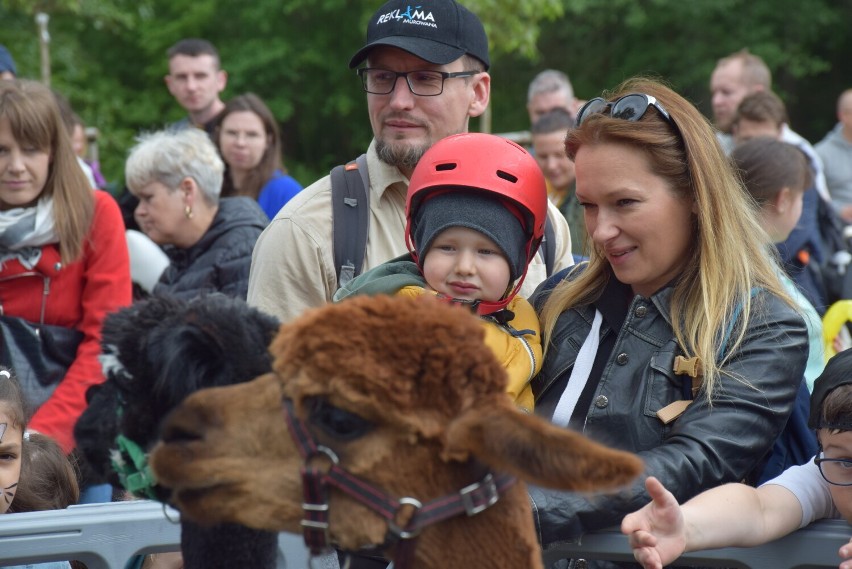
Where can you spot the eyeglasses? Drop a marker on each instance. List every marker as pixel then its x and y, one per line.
pixel 837 471
pixel 424 83
pixel 630 107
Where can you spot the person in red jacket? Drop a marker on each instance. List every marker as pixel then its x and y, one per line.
pixel 63 254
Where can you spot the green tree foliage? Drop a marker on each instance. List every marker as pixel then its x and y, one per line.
pixel 601 43
pixel 108 57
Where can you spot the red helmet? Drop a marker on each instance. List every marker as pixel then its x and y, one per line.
pixel 482 163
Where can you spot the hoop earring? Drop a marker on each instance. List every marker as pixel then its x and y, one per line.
pixel 187 211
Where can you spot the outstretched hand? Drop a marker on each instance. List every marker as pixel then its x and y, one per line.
pixel 846 555
pixel 657 532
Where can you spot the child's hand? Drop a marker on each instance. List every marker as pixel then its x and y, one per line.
pixel 657 532
pixel 846 554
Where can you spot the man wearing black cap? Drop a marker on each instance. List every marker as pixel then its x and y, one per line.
pixel 7 64
pixel 425 71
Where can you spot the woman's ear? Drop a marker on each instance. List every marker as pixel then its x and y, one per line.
pixel 783 200
pixel 189 188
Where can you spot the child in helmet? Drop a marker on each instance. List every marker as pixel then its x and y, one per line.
pixel 475 215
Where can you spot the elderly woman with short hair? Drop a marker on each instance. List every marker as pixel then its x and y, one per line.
pixel 177 176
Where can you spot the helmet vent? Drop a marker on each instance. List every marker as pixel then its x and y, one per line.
pixel 446 166
pixel 507 176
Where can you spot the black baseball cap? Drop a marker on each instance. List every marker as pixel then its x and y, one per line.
pixel 438 31
pixel 837 372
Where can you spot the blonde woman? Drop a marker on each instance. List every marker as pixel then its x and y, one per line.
pixel 676 340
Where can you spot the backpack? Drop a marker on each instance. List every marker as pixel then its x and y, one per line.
pixel 835 272
pixel 350 212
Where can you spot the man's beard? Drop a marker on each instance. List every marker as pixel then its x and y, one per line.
pixel 404 157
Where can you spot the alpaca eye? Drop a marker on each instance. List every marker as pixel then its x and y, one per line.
pixel 336 422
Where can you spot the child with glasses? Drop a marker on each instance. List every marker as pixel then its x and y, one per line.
pixel 737 515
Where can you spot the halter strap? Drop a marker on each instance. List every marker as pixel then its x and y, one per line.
pixel 471 500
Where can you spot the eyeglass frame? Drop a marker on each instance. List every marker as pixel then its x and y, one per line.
pixel 650 101
pixel 362 73
pixel 818 460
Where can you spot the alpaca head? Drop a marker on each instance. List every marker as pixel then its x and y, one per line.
pixel 403 391
pixel 158 351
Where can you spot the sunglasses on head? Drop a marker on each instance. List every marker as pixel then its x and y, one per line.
pixel 630 107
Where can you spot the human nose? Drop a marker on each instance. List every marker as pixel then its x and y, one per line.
pixel 16 162
pixel 465 264
pixel 601 226
pixel 552 164
pixel 401 96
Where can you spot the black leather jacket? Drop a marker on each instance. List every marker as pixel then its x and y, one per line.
pixel 705 446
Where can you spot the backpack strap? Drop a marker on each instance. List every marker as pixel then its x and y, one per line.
pixel 548 246
pixel 350 211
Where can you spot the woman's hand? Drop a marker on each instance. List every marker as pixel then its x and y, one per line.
pixel 657 532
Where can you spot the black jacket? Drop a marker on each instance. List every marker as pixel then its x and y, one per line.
pixel 704 447
pixel 221 259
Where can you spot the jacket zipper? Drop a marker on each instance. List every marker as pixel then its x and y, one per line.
pixel 531 355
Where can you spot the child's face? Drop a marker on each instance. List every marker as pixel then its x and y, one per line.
pixel 11 441
pixel 839 445
pixel 465 264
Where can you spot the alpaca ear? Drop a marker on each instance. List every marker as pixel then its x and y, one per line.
pixel 190 353
pixel 534 450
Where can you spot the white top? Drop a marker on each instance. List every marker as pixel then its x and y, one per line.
pixel 811 489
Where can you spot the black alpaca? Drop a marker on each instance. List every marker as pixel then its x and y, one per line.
pixel 154 354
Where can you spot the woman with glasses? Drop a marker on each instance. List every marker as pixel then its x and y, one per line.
pixel 736 515
pixel 676 339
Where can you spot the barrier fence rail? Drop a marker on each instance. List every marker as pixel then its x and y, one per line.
pixel 106 536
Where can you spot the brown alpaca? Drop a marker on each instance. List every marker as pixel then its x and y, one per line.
pixel 412 403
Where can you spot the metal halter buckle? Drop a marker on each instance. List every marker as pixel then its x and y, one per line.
pixel 484 492
pixel 398 531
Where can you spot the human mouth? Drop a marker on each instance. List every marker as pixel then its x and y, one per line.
pixel 15 184
pixel 618 256
pixel 402 123
pixel 460 288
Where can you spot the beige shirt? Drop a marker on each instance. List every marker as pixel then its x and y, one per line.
pixel 292 266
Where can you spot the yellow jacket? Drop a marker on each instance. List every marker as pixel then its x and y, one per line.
pixel 520 354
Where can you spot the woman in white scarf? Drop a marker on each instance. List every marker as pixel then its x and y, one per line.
pixel 63 255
